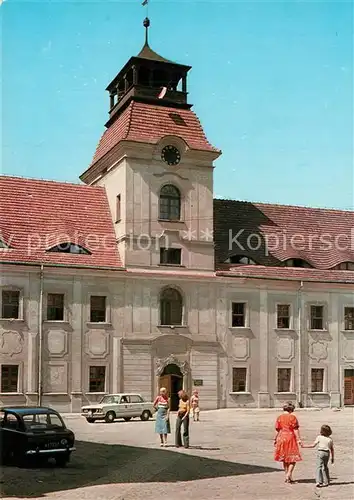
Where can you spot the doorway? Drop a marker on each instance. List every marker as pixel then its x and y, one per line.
pixel 349 387
pixel 172 379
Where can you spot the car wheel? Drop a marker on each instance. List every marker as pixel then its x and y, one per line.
pixel 127 419
pixel 62 460
pixel 145 415
pixel 110 416
pixel 90 420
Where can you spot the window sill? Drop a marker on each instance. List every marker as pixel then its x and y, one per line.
pixel 347 331
pixel 285 330
pixel 290 393
pixel 179 221
pixel 56 321
pixel 12 394
pixel 323 330
pixel 55 394
pixel 171 265
pixel 96 393
pixel 99 323
pixel 319 393
pixel 12 319
pixel 240 328
pixel 172 326
pixel 237 393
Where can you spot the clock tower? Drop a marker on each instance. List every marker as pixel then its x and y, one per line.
pixel 156 165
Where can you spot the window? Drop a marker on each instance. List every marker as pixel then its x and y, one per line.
pixel 55 307
pixel 9 378
pixel 118 215
pixel 68 247
pixel 316 322
pixel 238 314
pixel 240 259
pixel 170 203
pixel 97 309
pixel 345 266
pixel 10 304
pixel 317 379
pixel 349 318
pixel 284 379
pixel 97 379
pixel 136 399
pixel 170 256
pixel 283 316
pixel 239 379
pixel 296 263
pixel 171 307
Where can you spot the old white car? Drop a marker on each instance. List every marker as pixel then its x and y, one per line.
pixel 113 406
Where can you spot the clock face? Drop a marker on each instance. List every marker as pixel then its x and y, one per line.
pixel 171 155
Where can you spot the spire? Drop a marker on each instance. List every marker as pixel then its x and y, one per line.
pixel 146 24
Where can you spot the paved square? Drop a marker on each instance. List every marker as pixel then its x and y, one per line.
pixel 231 457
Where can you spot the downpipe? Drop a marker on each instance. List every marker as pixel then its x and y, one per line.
pixel 40 338
pixel 299 308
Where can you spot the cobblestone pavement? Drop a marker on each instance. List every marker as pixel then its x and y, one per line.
pixel 230 458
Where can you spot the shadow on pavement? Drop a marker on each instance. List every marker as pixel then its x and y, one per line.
pixel 98 464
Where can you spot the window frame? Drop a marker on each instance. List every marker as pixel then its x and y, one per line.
pixel 47 307
pixel 247 379
pixel 324 380
pixel 169 219
pixel 246 314
pixel 165 324
pixel 100 295
pixel 279 304
pixel 291 382
pixel 19 378
pixel 105 384
pixel 20 303
pixel 324 316
pixel 108 308
pixel 118 208
pixel 167 250
pixel 348 330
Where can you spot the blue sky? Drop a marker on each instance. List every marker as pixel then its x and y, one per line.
pixel 272 83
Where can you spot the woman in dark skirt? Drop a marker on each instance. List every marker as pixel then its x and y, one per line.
pixel 183 420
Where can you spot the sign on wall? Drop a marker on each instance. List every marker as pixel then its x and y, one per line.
pixel 197 382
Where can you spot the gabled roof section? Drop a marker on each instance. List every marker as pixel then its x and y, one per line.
pixel 272 234
pixel 38 214
pixel 147 123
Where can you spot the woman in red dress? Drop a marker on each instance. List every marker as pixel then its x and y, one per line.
pixel 287 441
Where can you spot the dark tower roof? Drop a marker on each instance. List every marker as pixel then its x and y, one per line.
pixel 148 78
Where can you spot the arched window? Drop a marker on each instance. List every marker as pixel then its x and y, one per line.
pixel 345 266
pixel 171 307
pixel 240 259
pixel 170 203
pixel 296 263
pixel 68 247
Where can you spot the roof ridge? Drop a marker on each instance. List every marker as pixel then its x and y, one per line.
pixel 36 179
pixel 282 205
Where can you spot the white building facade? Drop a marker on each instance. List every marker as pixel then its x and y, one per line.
pixel 149 287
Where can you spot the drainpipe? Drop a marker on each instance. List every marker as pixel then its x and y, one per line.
pixel 40 338
pixel 299 309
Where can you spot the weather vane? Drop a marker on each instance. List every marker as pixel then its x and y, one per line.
pixel 146 22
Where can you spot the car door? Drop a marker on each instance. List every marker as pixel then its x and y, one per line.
pixel 136 404
pixel 12 436
pixel 124 407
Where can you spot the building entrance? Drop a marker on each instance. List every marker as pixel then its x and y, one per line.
pixel 172 379
pixel 349 387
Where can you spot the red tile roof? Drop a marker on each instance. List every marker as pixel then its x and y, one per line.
pixel 271 234
pixel 37 215
pixel 286 273
pixel 149 123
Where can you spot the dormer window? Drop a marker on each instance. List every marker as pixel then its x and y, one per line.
pixel 345 266
pixel 69 248
pixel 296 263
pixel 240 259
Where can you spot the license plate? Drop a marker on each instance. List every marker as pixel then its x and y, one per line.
pixel 51 445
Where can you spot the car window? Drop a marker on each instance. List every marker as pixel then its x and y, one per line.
pixel 124 399
pixel 107 400
pixel 42 421
pixel 136 399
pixel 10 422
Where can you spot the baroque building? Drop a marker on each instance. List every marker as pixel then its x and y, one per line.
pixel 138 278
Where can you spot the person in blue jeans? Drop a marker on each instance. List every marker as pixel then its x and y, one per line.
pixel 325 451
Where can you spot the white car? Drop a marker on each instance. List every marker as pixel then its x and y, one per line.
pixel 112 406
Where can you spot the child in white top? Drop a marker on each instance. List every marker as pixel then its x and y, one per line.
pixel 195 405
pixel 324 451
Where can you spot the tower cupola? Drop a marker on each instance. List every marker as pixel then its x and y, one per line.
pixel 149 78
